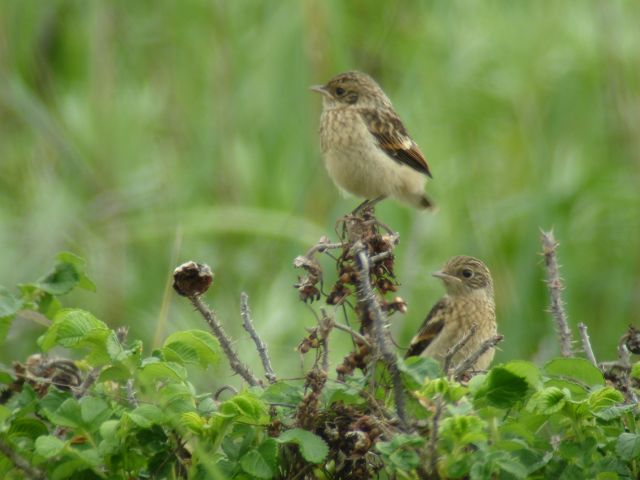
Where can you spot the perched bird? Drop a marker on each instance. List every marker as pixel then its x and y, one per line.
pixel 469 300
pixel 366 149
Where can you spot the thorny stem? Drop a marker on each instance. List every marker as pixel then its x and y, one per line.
pixel 367 299
pixel 555 285
pixel 325 324
pixel 586 344
pixel 470 361
pixel 225 342
pixel 624 357
pixel 457 347
pixel 88 381
pixel 20 463
pixel 245 313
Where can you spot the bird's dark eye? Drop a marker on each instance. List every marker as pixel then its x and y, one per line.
pixel 340 91
pixel 466 273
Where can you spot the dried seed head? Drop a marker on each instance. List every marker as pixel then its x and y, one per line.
pixel 192 279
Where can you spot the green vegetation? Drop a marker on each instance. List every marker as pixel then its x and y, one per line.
pixel 117 413
pixel 142 134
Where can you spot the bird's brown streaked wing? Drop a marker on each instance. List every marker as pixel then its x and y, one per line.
pixel 431 327
pixel 393 138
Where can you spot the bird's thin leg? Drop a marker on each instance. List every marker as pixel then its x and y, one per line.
pixel 367 204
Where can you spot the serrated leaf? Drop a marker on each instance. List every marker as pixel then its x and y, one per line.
pixel 204 344
pixel 504 388
pixel 405 459
pixel 255 465
pixel 49 446
pixel 283 392
pixel 30 428
pixel 67 414
pixel 547 401
pixel 193 422
pixel 527 370
pixel 153 369
pixel 62 279
pixel 463 429
pixel 79 264
pixel 604 398
pixel 611 413
pixel 340 392
pixel 416 369
pixel 76 328
pixel 578 369
pixel 244 405
pixel 181 353
pixel 94 410
pixel 146 415
pixel 628 446
pixel 313 448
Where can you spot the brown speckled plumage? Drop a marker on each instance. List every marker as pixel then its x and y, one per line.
pixel 366 148
pixel 469 300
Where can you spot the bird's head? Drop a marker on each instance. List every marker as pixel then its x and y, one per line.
pixel 465 275
pixel 352 88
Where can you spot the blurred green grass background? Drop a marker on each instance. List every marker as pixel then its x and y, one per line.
pixel 143 134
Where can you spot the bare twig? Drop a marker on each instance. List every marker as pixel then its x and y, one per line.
pixel 359 338
pixel 586 344
pixel 555 285
pixel 624 358
pixel 225 342
pixel 131 393
pixel 470 361
pixel 457 347
pixel 245 312
pixel 381 256
pixel 89 380
pixel 322 246
pixel 370 304
pixel 20 463
pixel 433 439
pixel 222 389
pixel 325 324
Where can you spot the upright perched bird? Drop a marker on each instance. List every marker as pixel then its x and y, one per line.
pixel 366 149
pixel 469 300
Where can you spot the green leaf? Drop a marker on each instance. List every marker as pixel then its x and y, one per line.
pixel 49 446
pixel 548 401
pixel 313 448
pixel 463 429
pixel 78 329
pixel 504 388
pixel 527 370
pixel 416 369
pixel 283 392
pixel 635 371
pixel 604 398
pixel 94 410
pixel 9 306
pixel 246 406
pixel 30 428
pixel 255 465
pixel 146 415
pixel 67 415
pixel 79 264
pixel 194 346
pixel 405 459
pixel 577 369
pixel 341 392
pixel 62 279
pixel 616 411
pixel 154 369
pixel 193 422
pixel 628 446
